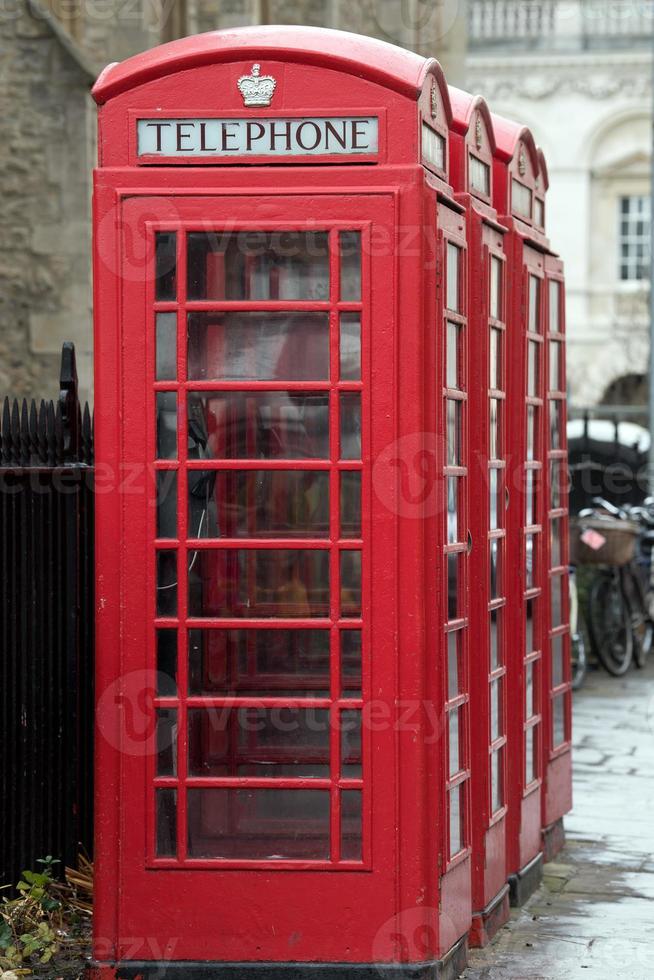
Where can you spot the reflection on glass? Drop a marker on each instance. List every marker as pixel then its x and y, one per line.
pixel 555 484
pixel 529 690
pixel 493 490
pixel 258 425
pixel 495 568
pixel 453 432
pixel 166 742
pixel 496 288
pixel 456 820
pixel 555 424
pixel 539 212
pixel 166 583
pixel 495 358
pixel 259 662
pixel 350 346
pixel 166 663
pixel 258 265
pixel 534 304
pixel 350 249
pixel 495 449
pixel 452 300
pixel 282 742
pixel 495 638
pixel 496 709
pixel 479 175
pixel 497 795
pixel 557 603
pixel 350 663
pixel 351 584
pixel 258 824
pixel 558 674
pixel 529 638
pixel 453 660
pixel 350 402
pixel 452 509
pixel 453 728
pixel 555 366
pixel 351 744
pixel 453 586
pixel 529 497
pixel 532 415
pixel 351 825
pixel 165 266
pixel 166 347
pixel 558 720
pixel 453 360
pixel 350 503
pixel 258 346
pixel 555 537
pixel 265 583
pixel 166 809
pixel 530 561
pixel 258 503
pixel 167 504
pixel 532 368
pixel 530 755
pixel 166 402
pixel 521 198
pixel 555 295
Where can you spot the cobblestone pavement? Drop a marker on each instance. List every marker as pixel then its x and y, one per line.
pixel 593 919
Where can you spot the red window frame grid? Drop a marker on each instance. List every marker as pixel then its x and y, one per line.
pixel 182 623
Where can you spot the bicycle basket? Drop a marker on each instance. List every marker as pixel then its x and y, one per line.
pixel 619 547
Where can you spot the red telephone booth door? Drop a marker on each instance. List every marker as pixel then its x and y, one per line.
pixel 261 819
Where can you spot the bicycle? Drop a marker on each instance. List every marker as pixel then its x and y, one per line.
pixel 578 654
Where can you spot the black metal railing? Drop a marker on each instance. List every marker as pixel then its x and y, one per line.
pixel 46 628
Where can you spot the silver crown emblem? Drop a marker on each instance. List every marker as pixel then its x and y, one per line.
pixel 257 89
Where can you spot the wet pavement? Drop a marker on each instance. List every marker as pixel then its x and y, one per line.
pixel 593 919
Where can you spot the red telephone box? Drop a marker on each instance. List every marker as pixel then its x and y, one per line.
pixel 282 329
pixel 516 174
pixel 472 147
pixel 557 688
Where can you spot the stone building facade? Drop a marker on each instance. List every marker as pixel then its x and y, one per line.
pixel 579 74
pixel 52 50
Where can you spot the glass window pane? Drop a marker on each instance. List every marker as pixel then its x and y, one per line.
pixel 350 425
pixel 454 744
pixel 167 504
pixel 165 266
pixel 530 630
pixel 259 583
pixel 453 355
pixel 166 808
pixel 534 304
pixel 453 300
pixel 452 509
pixel 558 720
pixel 453 587
pixel 166 742
pixel 259 662
pixel 532 420
pixel 350 346
pixel 554 306
pixel 530 561
pixel 270 743
pixel 496 288
pixel 556 609
pixel 351 744
pixel 166 583
pixel 258 265
pixel 479 175
pixel 166 402
pixel 166 347
pixel 258 425
pixel 558 667
pixel 496 568
pixel 556 484
pixel 456 820
pixel 350 250
pixel 530 755
pixel 530 512
pixel 351 584
pixel 496 657
pixel 351 824
pixel 493 491
pixel 496 721
pixel 258 824
pixel 555 424
pixel 521 198
pixel 350 503
pixel 529 689
pixel 453 432
pixel 495 447
pixel 258 346
pixel 539 212
pixel 453 663
pixel 258 504
pixel 350 663
pixel 555 538
pixel 495 367
pixel 166 663
pixel 497 791
pixel 555 366
pixel 532 368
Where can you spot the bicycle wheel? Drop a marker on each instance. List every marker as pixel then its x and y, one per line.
pixel 609 623
pixel 641 625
